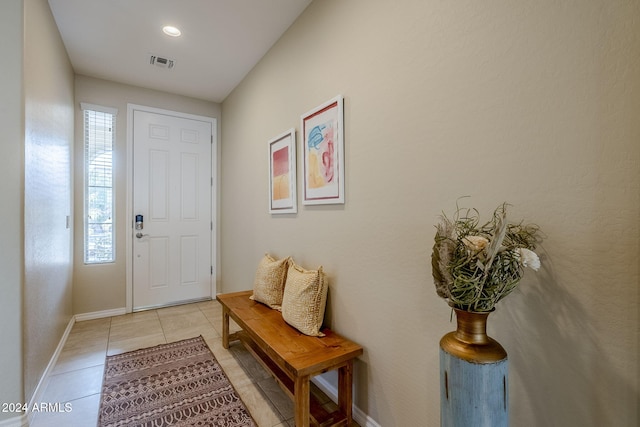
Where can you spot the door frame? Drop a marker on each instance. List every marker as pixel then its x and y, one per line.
pixel 129 205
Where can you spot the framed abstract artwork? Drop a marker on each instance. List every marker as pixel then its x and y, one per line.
pixel 323 153
pixel 282 173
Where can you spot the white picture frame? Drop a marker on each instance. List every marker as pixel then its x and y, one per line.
pixel 323 153
pixel 282 173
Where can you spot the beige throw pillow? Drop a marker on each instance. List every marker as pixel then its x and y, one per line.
pixel 304 300
pixel 269 281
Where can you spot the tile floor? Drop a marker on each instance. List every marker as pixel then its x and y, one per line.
pixel 77 375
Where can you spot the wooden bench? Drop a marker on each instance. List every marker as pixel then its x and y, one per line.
pixel 292 357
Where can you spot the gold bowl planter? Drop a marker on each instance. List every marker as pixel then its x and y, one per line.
pixel 470 341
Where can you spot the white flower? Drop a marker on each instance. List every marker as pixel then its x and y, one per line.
pixel 528 258
pixel 475 243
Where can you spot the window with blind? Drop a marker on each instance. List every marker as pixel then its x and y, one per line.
pixel 99 138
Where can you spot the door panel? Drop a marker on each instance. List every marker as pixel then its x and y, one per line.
pixel 172 190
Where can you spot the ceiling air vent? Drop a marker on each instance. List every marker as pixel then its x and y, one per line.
pixel 161 62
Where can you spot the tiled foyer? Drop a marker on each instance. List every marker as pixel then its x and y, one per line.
pixel 77 375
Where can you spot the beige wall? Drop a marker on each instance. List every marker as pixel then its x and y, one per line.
pixel 103 287
pixel 11 208
pixel 536 104
pixel 37 132
pixel 48 92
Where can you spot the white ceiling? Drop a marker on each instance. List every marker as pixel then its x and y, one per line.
pixel 221 40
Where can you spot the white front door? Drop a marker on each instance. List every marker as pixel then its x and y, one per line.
pixel 172 190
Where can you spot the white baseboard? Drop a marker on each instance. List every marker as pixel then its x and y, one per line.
pixel 20 421
pixel 100 314
pixel 330 390
pixel 37 394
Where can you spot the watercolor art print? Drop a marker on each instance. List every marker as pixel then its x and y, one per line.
pixel 282 173
pixel 323 151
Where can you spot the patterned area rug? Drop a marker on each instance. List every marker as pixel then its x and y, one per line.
pixel 177 384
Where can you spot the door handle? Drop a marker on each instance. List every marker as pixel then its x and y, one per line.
pixel 140 235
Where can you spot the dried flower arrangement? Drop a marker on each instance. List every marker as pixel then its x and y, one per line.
pixel 474 266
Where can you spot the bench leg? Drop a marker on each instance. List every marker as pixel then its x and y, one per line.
pixel 301 401
pixel 345 391
pixel 225 327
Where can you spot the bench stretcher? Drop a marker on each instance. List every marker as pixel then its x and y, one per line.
pixel 292 357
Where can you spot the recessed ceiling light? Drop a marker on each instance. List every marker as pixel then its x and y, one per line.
pixel 171 31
